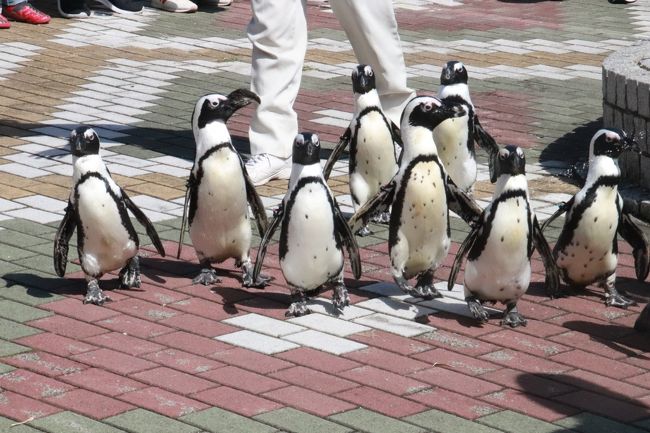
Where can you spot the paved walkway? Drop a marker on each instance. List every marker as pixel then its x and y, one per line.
pixel 174 357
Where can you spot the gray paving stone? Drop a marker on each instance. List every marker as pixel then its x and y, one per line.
pixel 144 421
pixel 70 422
pixel 19 312
pixel 371 422
pixel 513 422
pixel 295 421
pixel 216 420
pixel 441 422
pixel 10 330
pixel 7 425
pixel 589 423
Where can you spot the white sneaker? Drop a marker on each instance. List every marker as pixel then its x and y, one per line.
pixel 265 167
pixel 178 6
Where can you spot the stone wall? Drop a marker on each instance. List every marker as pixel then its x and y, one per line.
pixel 626 104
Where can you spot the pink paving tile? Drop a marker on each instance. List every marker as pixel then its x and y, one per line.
pixel 220 294
pixel 543 385
pixel 163 402
pixel 382 402
pixel 455 361
pixel 606 404
pixel 32 384
pixel 114 361
pixel 183 361
pixel 124 343
pixel 89 403
pixel 244 380
pixel 167 280
pixel 19 408
pixel 103 382
pixel 451 402
pixel 640 380
pixel 174 380
pixel 525 343
pixel 317 360
pixel 593 327
pixel 387 360
pixel 314 380
pixel 390 342
pixel 44 363
pixel 155 294
pixel 524 362
pixel 192 343
pixel 597 382
pixel 67 327
pixel 530 405
pixel 86 313
pixel 592 308
pixel 384 380
pixel 453 381
pixel 588 343
pixel 597 364
pixel 56 344
pixel 537 311
pixel 309 401
pixel 250 360
pixel 198 325
pixel 237 401
pixel 458 343
pixel 143 309
pixel 133 326
pixel 201 307
pixel 541 329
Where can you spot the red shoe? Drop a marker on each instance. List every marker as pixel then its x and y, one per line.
pixel 4 24
pixel 26 13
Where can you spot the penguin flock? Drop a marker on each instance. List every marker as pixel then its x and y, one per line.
pixel 410 177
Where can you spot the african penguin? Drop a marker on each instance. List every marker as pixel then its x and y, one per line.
pixel 97 209
pixel 455 137
pixel 220 191
pixel 313 232
pixel 372 137
pixel 501 245
pixel 587 249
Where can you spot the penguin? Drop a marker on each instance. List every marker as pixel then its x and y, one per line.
pixel 219 191
pixel 420 196
pixel 97 209
pixel 313 232
pixel 499 248
pixel 455 137
pixel 587 250
pixel 372 138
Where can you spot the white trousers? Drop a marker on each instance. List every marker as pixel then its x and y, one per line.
pixel 278 32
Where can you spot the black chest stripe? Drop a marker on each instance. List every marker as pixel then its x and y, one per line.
pixel 194 181
pixel 284 230
pixel 486 228
pixel 355 135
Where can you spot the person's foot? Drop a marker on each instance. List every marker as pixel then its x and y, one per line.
pixel 179 6
pixel 265 167
pixel 621 1
pixel 25 13
pixel 74 9
pixel 4 23
pixel 123 6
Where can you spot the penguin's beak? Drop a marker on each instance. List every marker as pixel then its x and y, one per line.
pixel 242 97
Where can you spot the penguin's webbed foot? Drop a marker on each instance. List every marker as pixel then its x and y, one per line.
pixel 297 309
pixel 340 298
pixel 513 319
pixel 247 278
pixel 426 292
pixel 364 231
pixel 381 218
pixel 130 274
pixel 94 294
pixel 477 310
pixel 207 277
pixel 618 300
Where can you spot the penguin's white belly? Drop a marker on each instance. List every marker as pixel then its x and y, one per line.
pixel 502 271
pixel 451 141
pixel 220 228
pixel 312 257
pixel 106 244
pixel 423 226
pixel 375 158
pixel 589 254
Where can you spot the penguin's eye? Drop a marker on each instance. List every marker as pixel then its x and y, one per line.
pixel 214 103
pixel 427 106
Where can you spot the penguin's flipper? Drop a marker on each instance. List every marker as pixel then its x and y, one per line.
pixel 63 235
pixel 638 209
pixel 562 207
pixel 635 237
pixel 487 142
pixel 379 203
pixel 397 135
pixel 142 219
pixel 188 198
pixel 349 240
pixel 278 214
pixel 552 271
pixel 461 203
pixel 255 202
pixel 460 255
pixel 336 153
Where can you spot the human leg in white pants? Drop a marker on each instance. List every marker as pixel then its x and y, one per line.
pixel 371 27
pixel 278 32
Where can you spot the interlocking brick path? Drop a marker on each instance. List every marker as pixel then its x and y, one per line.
pixel 175 357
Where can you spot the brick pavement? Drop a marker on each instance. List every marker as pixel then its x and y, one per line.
pixel 174 357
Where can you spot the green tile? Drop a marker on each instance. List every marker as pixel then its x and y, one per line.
pixel 19 239
pixel 7 348
pixel 217 420
pixel 44 263
pixel 19 312
pixel 513 422
pixel 589 423
pixel 372 422
pixel 10 330
pixel 70 422
pixel 29 296
pixel 295 421
pixel 29 227
pixel 11 254
pixel 6 426
pixel 441 422
pixel 4 368
pixel 144 421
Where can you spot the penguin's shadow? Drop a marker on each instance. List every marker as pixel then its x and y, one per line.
pixel 621 338
pixel 574 145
